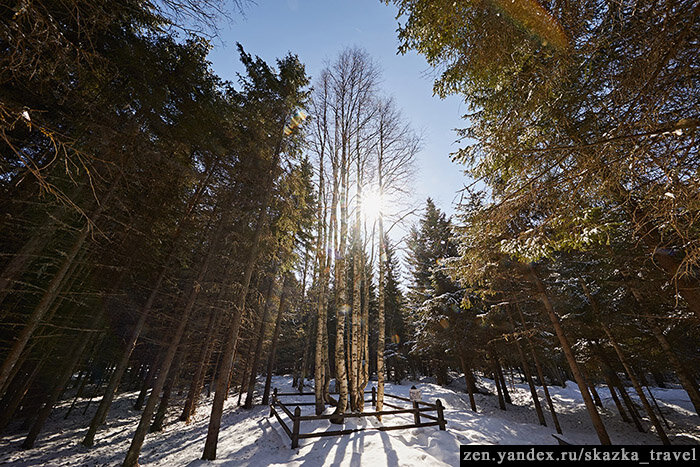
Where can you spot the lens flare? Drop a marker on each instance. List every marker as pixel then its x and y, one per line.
pixel 297 119
pixel 372 203
pixel 533 17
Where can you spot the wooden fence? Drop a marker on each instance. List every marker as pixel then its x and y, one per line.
pixel 419 409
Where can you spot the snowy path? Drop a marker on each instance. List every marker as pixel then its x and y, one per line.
pixel 249 437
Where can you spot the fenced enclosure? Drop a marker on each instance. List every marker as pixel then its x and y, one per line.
pixel 419 409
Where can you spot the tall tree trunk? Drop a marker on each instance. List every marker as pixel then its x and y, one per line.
pixel 132 454
pixel 326 243
pixel 381 325
pixel 653 399
pixel 499 375
pixel 25 257
pixel 275 338
pixel 17 393
pixel 540 373
pixel 684 377
pixel 591 391
pixel 247 368
pixel 108 371
pixel 355 404
pixel 64 377
pixel 259 344
pixel 342 306
pixel 226 362
pixel 67 284
pixel 356 397
pixel 306 325
pixel 620 355
pixel 596 397
pixel 319 360
pixel 306 352
pixel 365 329
pixel 320 374
pixel 54 287
pixel 566 348
pixel 497 381
pixel 528 374
pixel 171 381
pixel 202 363
pixel 331 238
pixel 231 337
pixel 78 394
pixel 309 331
pixel 468 381
pixel 106 402
pixel 82 379
pixel 635 383
pixel 616 399
pixel 148 380
pixel 615 380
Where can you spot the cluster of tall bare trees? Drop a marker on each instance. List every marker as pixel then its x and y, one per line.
pixel 365 153
pixel 155 219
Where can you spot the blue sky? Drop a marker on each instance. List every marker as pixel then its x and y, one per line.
pixel 316 30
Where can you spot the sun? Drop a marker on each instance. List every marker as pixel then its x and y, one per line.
pixel 372 203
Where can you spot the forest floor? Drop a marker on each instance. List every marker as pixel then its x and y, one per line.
pixel 249 437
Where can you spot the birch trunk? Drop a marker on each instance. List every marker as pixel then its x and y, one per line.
pixel 381 324
pixel 342 308
pixel 364 373
pixel 323 265
pixel 356 396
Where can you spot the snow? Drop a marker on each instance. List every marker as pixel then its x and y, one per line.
pixel 250 438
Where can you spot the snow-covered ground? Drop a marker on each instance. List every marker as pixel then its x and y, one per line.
pixel 249 437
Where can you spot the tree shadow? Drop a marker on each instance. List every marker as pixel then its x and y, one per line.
pixel 392 457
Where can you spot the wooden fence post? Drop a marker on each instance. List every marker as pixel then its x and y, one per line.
pixel 272 403
pixel 416 413
pixel 374 396
pixel 440 414
pixel 295 428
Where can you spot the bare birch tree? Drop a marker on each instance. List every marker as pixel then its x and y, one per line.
pixel 396 148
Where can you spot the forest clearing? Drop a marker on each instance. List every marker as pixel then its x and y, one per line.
pixel 484 216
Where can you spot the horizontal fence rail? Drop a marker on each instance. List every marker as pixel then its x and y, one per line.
pixel 296 417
